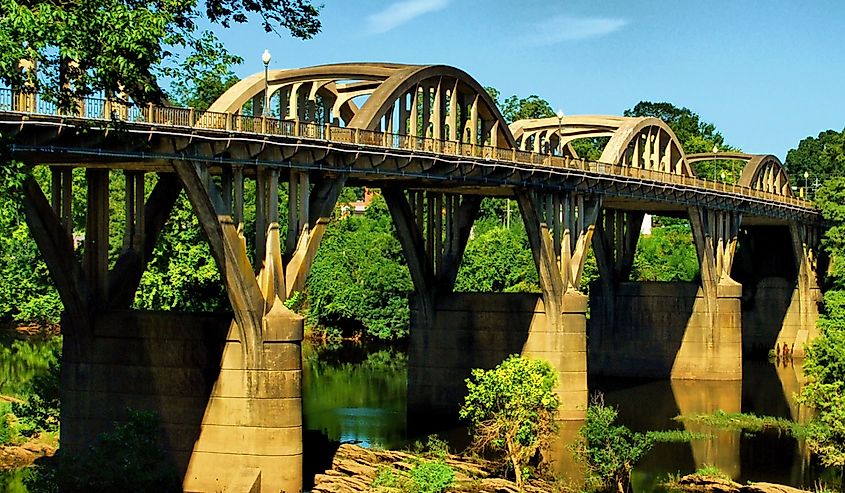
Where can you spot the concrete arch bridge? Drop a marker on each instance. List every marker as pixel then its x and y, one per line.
pixel 433 141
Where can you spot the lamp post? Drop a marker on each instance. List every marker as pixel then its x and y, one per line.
pixel 265 57
pixel 806 184
pixel 560 131
pixel 715 162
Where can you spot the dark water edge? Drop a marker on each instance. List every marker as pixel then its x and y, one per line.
pixel 358 393
pixel 354 393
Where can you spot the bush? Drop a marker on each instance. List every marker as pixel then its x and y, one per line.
pixel 609 451
pixel 512 409
pixel 431 477
pixel 128 458
pixel 40 412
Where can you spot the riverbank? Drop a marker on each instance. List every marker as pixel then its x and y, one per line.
pixel 357 469
pixel 23 455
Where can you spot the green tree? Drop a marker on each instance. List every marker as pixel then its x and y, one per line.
pixel 512 409
pixel 359 281
pixel 205 74
pixel 82 48
pixel 610 451
pixel 498 260
pixel 516 108
pixel 822 157
pixel 667 255
pixel 824 364
pixel 695 135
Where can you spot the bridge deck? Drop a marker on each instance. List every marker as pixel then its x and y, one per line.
pixel 150 138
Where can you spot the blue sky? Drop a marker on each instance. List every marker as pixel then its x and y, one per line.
pixel 767 73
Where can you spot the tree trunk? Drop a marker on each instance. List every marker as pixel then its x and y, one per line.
pixel 517 471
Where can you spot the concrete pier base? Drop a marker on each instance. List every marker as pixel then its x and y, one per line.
pixel 480 330
pixel 222 423
pixel 660 330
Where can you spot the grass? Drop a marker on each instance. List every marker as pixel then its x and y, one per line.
pixel 745 422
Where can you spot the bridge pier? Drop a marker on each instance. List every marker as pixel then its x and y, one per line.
pixel 678 330
pixel 228 393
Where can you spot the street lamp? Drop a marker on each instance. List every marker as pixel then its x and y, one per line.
pixel 265 57
pixel 560 131
pixel 806 184
pixel 715 165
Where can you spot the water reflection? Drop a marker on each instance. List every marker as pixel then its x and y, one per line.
pixel 351 394
pixel 766 389
pixel 20 362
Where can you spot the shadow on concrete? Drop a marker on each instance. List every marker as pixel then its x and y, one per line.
pixel 469 330
pixel 642 333
pixel 766 267
pixel 141 360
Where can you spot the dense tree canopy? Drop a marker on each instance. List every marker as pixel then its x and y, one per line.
pixel 515 108
pixel 85 47
pixel 821 157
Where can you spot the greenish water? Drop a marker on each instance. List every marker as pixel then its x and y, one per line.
pixel 20 361
pixel 358 393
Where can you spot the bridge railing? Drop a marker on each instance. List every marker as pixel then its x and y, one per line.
pixel 111 110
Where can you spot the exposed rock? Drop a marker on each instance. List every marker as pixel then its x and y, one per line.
pixel 696 483
pixel 17 456
pixel 769 488
pixel 355 468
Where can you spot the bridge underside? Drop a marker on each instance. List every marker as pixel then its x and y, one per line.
pixel 229 391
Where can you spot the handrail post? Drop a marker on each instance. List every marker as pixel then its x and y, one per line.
pixel 328 134
pixel 296 128
pixel 356 137
pixel 229 121
pixel 264 124
pixel 513 154
pixel 191 118
pixel 150 114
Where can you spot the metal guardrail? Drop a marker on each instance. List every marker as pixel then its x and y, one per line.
pixel 109 110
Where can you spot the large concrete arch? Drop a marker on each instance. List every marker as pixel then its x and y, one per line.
pixel 646 143
pixel 763 172
pixel 385 87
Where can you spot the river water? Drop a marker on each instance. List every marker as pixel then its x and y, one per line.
pixel 358 393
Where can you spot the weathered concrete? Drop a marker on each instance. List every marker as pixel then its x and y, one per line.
pixel 666 330
pixel 218 417
pixel 778 314
pixel 480 330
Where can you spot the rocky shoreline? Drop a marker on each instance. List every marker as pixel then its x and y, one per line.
pixel 354 469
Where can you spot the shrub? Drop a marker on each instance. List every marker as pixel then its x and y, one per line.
pixel 512 409
pixel 431 477
pixel 128 458
pixel 609 451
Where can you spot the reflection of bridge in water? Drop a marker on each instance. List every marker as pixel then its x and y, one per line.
pixel 434 142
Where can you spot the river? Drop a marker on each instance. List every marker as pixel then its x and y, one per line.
pixel 358 393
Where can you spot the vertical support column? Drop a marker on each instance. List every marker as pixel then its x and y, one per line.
pixel 312 217
pixel 253 419
pixel 800 328
pixel 559 231
pixel 96 263
pixel 711 348
pixel 133 237
pixel 62 197
pixel 261 192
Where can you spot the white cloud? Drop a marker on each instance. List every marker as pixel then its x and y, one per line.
pixel 401 12
pixel 565 28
